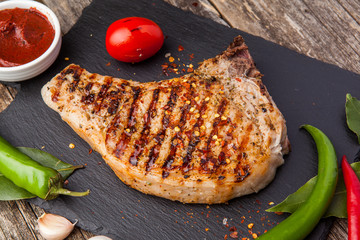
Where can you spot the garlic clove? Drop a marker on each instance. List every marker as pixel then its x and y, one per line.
pixel 54 227
pixel 100 237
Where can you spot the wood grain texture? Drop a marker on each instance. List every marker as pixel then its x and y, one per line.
pixel 325 30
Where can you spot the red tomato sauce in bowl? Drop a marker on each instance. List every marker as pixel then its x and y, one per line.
pixel 25 34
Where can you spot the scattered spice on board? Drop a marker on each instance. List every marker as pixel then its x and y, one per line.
pixel 234 235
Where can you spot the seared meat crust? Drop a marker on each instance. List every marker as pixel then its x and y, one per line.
pixel 206 137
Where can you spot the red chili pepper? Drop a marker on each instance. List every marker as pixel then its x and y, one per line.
pixel 352 184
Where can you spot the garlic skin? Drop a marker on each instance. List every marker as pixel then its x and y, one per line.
pixel 100 237
pixel 54 227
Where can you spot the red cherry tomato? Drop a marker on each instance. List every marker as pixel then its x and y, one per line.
pixel 133 39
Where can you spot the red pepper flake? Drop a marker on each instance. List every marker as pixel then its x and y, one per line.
pixel 190 70
pixel 66 182
pixel 90 151
pixel 165 66
pixel 180 48
pixel 171 59
pixel 108 64
pixel 279 213
pixel 234 235
pixel 206 229
pixel 225 237
pixel 233 229
pixel 191 56
pixel 195 4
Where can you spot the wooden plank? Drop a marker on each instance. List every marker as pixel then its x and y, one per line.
pixel 339 230
pixel 325 30
pixel 7 95
pixel 12 223
pixel 29 217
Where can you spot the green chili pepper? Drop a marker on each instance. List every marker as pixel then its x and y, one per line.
pixel 26 173
pixel 299 224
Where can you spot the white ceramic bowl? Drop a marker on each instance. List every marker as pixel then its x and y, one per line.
pixel 40 64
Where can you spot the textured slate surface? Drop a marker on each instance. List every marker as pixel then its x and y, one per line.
pixel 305 90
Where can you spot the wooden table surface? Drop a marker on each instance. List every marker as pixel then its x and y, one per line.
pixel 327 30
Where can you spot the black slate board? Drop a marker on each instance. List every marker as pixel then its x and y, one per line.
pixel 305 90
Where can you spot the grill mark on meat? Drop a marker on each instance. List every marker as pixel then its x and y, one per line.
pixel 73 70
pixel 177 137
pixel 154 152
pixel 76 72
pixel 223 155
pixel 112 102
pixel 112 99
pixel 144 136
pixel 88 87
pixel 88 97
pixel 102 94
pixel 126 134
pixel 242 170
pixel 193 139
pixel 55 92
pixel 209 163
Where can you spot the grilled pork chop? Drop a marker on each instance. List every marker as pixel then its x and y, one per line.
pixel 205 137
